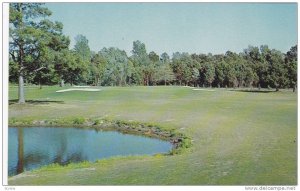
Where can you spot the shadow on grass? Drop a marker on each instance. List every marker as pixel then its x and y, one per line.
pixel 35 102
pixel 254 91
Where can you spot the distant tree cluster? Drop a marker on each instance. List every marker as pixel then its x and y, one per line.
pixel 40 54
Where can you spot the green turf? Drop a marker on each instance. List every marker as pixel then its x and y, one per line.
pixel 239 138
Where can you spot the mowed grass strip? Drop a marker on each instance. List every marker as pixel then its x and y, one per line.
pixel 239 138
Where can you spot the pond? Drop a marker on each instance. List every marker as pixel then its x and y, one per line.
pixel 33 147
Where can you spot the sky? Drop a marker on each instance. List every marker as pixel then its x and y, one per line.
pixel 184 27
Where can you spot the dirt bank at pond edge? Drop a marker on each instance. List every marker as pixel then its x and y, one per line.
pixel 180 141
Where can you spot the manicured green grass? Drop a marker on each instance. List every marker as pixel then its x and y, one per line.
pixel 239 138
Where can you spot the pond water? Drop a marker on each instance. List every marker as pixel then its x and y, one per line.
pixel 33 147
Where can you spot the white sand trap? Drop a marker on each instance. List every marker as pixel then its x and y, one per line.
pixel 81 86
pixel 79 89
pixel 196 89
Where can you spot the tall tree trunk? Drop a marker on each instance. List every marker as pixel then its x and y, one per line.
pixel 96 81
pixel 294 88
pixel 99 82
pixel 40 84
pixel 21 78
pixel 147 80
pixel 62 83
pixel 21 88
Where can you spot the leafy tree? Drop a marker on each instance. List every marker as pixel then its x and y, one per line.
pixel 165 58
pixel 163 71
pixel 148 70
pixel 139 49
pixel 142 63
pixel 75 68
pixel 118 68
pixel 199 63
pixel 240 67
pixel 164 74
pixel 220 66
pixel 255 60
pixel 31 39
pixel 13 71
pixel 195 76
pixel 50 75
pixel 137 75
pixel 69 67
pixel 229 71
pixel 178 67
pixel 46 76
pixel 291 67
pixel 153 57
pixel 82 49
pixel 276 71
pixel 250 77
pixel 98 68
pixel 182 65
pixel 209 73
pixel 153 68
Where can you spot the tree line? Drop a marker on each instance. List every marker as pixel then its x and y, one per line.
pixel 40 54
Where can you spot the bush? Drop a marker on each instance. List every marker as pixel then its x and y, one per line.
pixel 186 143
pixel 96 122
pixel 78 120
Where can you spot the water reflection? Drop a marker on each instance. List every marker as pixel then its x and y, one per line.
pixel 30 158
pixel 33 147
pixel 20 165
pixel 63 157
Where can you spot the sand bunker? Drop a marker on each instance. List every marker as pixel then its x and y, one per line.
pixel 81 86
pixel 79 89
pixel 196 89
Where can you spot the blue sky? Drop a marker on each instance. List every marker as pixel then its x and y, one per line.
pixel 184 27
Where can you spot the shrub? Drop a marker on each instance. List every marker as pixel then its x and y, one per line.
pixel 78 120
pixel 96 122
pixel 186 143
